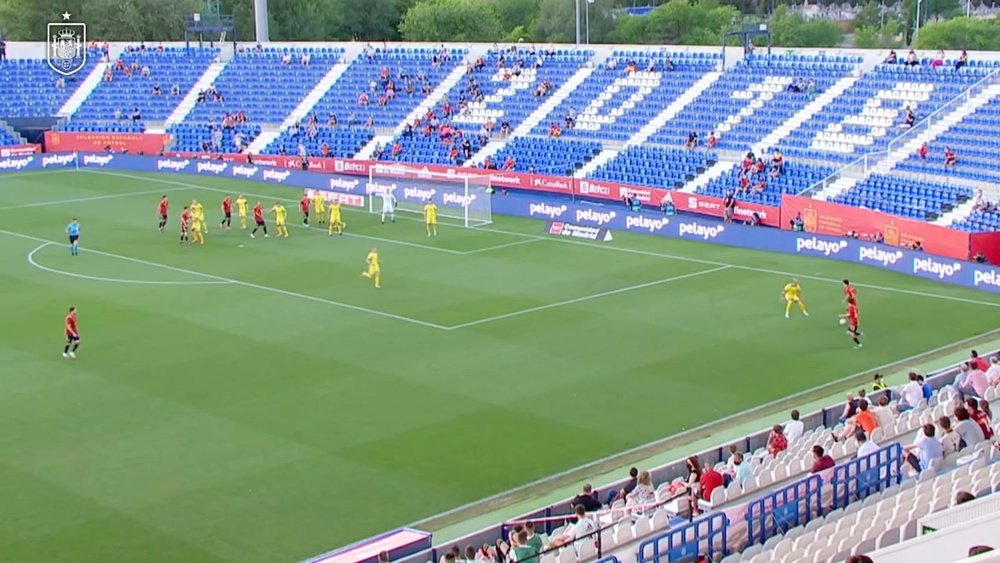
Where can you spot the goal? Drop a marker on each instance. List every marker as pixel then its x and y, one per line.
pixel 460 198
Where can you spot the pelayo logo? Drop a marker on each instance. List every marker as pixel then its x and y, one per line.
pixel 174 165
pixel 97 159
pixel 278 176
pixel 641 222
pixel 815 245
pixel 450 198
pixel 418 193
pixel 942 270
pixel 601 218
pixel 377 188
pixel 989 277
pixel 879 255
pixel 212 167
pixel 546 210
pixel 15 163
pixel 697 230
pixel 343 184
pixel 57 160
pixel 244 171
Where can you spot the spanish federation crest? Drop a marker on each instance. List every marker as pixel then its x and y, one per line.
pixel 67 47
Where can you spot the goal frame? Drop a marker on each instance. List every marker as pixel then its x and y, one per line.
pixel 463 189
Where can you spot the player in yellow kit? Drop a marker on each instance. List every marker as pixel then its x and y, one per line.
pixel 792 294
pixel 319 204
pixel 374 272
pixel 198 227
pixel 280 215
pixel 241 209
pixel 336 221
pixel 431 218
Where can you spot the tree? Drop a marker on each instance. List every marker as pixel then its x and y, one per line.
pixel 138 20
pixel 873 38
pixel 451 20
pixel 369 19
pixel 961 33
pixel 25 20
pixel 869 15
pixel 790 29
pixel 514 13
pixel 678 22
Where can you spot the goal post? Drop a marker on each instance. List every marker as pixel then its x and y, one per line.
pixel 460 197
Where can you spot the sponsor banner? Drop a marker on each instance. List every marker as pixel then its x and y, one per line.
pixel 19 150
pixel 691 203
pixel 571 230
pixel 987 244
pixel 134 143
pixel 350 200
pixel 825 218
pixel 17 164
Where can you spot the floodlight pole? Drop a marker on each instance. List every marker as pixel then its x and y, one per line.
pixel 260 20
pixel 576 4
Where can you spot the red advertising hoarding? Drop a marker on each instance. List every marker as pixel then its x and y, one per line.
pixel 134 143
pixel 987 244
pixel 825 218
pixel 19 150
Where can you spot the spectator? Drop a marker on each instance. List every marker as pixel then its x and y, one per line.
pixel 728 206
pixel 643 493
pixel 979 363
pixel 692 141
pixel 633 480
pixel 850 408
pixel 962 497
pixel 963 59
pixel 924 450
pixel 486 554
pixel 890 59
pixel 980 413
pixel 975 383
pixel 305 58
pixel 938 59
pixel 883 413
pixel 145 71
pixel 967 429
pixel 909 118
pixel 587 499
pixel 993 374
pixel 925 388
pixel 911 394
pixel 286 58
pixel 710 480
pixel 865 446
pixel 3 50
pixel 922 152
pixel 797 223
pixel 879 383
pixel 712 141
pixel 860 558
pixel 534 541
pixel 950 440
pixel 794 428
pixel 777 163
pixel 612 64
pixel 864 421
pixel 522 551
pixel 60 82
pixel 776 441
pixel 911 59
pixel 742 470
pixel 950 158
pixel 821 460
pixel 583 527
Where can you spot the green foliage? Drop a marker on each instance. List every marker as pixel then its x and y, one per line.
pixel 451 20
pixel 556 21
pixel 519 33
pixel 961 33
pixel 792 30
pixel 869 16
pixel 113 20
pixel 516 13
pixel 369 19
pixel 873 38
pixel 678 22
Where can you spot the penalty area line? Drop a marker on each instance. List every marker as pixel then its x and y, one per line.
pixel 589 297
pixel 33 262
pixel 233 281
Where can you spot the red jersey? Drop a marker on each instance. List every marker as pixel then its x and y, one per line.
pixel 185 219
pixel 227 205
pixel 71 325
pixel 852 313
pixel 258 213
pixel 163 206
pixel 980 363
pixel 850 292
pixel 304 204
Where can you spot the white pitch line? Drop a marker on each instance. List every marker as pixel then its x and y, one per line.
pixel 239 282
pixel 86 199
pixel 743 267
pixel 505 245
pixel 588 298
pixel 33 262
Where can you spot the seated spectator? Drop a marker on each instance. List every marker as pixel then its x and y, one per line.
pixel 157 91
pixel 776 441
pixel 938 60
pixel 651 67
pixel 175 90
pixel 883 413
pixel 633 481
pixel 630 68
pixel 924 450
pixel 611 64
pixel 811 88
pixel 286 58
pixel 864 421
pixel 975 383
pixel 890 59
pixel 910 395
pixel 744 184
pixel 710 480
pixel 968 430
pixel 922 151
pixel 534 541
pixel 797 86
pixel 582 528
pixel 909 118
pixel 554 131
pixel 522 550
pixel 363 99
pixel 712 141
pixel 777 163
pixel 145 72
pixel 821 460
pixel 643 493
pixel 850 408
pixel 950 158
pixel 587 499
pixel 741 469
pixel 692 141
pixel 962 497
pixel 118 113
pixel 950 440
pixel 508 163
pixel 760 187
pixel 977 361
pixel 993 373
pixel 925 387
pixel 911 59
pixel 865 446
pixel 794 428
pixel 305 58
pixel 979 411
pixel 918 246
pixel 963 59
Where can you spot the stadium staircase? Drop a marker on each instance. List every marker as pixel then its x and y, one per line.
pixel 8 136
pixel 647 130
pixel 86 87
pixel 191 98
pixel 774 138
pixel 536 117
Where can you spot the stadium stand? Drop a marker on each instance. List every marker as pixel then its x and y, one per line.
pixel 974 142
pixel 29 88
pixel 907 197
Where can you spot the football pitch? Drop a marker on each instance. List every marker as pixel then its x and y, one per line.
pixel 258 400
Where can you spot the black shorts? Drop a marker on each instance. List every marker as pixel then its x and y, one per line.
pixel 184 228
pixel 163 216
pixel 73 239
pixel 229 216
pixel 306 212
pixel 260 223
pixel 854 329
pixel 72 339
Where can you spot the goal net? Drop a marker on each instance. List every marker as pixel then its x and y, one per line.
pixel 460 198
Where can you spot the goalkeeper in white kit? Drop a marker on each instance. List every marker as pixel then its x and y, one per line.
pixel 388 206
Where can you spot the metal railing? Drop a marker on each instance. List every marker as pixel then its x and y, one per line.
pixel 866 475
pixel 788 507
pixel 704 536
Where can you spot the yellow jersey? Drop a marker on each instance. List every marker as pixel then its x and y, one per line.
pixel 373 260
pixel 430 213
pixel 319 202
pixel 335 211
pixel 279 214
pixel 197 211
pixel 793 291
pixel 241 206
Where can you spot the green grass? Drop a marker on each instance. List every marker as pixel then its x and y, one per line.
pixel 289 408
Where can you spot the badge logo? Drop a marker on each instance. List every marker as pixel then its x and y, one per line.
pixel 67 46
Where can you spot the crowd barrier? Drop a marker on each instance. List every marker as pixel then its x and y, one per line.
pixel 783 509
pixel 866 475
pixel 568 212
pixel 706 536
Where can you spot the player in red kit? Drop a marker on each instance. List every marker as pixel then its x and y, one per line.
pixel 258 219
pixel 164 206
pixel 185 225
pixel 304 208
pixel 850 292
pixel 853 325
pixel 227 213
pixel 72 335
